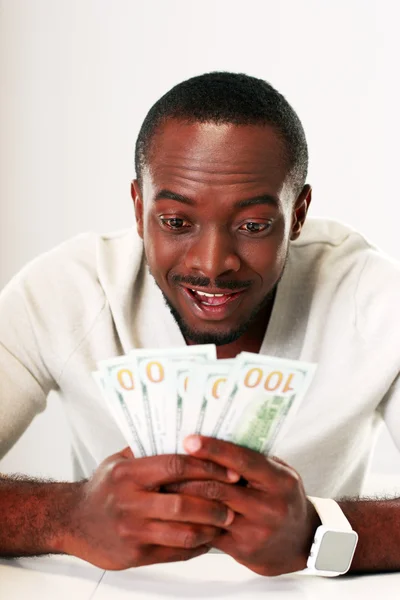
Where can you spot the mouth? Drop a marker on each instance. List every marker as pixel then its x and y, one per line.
pixel 212 305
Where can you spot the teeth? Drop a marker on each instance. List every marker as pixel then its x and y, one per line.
pixel 209 295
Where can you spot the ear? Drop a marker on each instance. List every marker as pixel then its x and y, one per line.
pixel 138 205
pixel 299 213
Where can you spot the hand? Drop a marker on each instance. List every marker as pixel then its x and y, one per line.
pixel 274 522
pixel 122 520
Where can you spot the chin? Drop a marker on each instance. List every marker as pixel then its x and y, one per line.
pixel 219 338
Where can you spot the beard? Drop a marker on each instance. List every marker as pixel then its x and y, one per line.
pixel 216 337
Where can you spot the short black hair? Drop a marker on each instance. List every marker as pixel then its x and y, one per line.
pixel 223 97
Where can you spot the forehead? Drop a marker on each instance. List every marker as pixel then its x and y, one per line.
pixel 198 155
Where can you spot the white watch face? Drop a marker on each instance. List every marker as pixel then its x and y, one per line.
pixel 336 551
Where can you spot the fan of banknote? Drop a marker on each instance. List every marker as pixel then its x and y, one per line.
pixel 158 397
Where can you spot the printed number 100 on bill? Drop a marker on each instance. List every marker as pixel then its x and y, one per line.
pixel 260 395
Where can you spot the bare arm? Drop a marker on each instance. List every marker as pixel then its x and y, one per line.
pixel 118 518
pixel 275 523
pixel 377 523
pixel 35 515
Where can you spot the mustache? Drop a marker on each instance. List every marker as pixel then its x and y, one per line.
pixel 205 282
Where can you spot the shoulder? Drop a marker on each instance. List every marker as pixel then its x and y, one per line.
pixel 330 234
pixel 345 259
pixel 343 244
pixel 58 298
pixel 336 245
pixel 75 265
pixel 331 253
pixel 66 284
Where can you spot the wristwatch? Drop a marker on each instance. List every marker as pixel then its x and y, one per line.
pixel 334 542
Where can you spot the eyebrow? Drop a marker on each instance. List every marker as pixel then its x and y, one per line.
pixel 264 199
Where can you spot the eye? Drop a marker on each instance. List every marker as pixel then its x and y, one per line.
pixel 252 227
pixel 174 223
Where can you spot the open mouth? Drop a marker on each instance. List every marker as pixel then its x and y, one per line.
pixel 212 304
pixel 216 299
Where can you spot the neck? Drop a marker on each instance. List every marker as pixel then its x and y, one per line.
pixel 251 341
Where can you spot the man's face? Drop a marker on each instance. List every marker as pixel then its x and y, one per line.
pixel 216 212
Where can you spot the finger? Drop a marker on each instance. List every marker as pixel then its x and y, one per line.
pixel 176 507
pixel 242 538
pixel 160 554
pixel 153 471
pixel 227 542
pixel 123 455
pixel 248 502
pixel 253 466
pixel 178 535
pixel 127 453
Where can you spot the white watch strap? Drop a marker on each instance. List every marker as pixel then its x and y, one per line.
pixel 330 513
pixel 332 518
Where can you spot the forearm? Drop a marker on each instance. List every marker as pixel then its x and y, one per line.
pixel 377 523
pixel 35 516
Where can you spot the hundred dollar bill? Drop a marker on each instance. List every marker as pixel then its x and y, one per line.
pixel 260 399
pixel 183 373
pixel 204 388
pixel 157 369
pixel 121 380
pixel 121 415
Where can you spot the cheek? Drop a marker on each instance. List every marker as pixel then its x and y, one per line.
pixel 281 253
pixel 267 259
pixel 161 254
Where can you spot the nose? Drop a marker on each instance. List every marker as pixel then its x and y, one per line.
pixel 212 253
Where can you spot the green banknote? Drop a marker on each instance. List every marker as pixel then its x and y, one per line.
pixel 159 396
pixel 162 373
pixel 260 399
pixel 204 389
pixel 117 389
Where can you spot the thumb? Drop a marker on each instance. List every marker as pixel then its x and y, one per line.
pixel 126 453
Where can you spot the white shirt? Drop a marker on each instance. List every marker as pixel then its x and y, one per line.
pixel 338 305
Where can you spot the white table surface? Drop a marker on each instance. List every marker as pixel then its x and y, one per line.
pixel 215 577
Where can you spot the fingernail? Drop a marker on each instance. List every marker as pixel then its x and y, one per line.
pixel 230 515
pixel 192 443
pixel 232 475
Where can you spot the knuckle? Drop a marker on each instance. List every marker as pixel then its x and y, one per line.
pixel 260 537
pixel 177 505
pixel 281 510
pixel 244 461
pixel 122 530
pixel 114 507
pixel 264 512
pixel 211 468
pixel 251 547
pixel 176 465
pixel 254 459
pixel 118 472
pixel 213 490
pixel 292 483
pixel 122 522
pixel 191 538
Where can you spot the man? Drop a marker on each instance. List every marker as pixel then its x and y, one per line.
pixel 220 202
